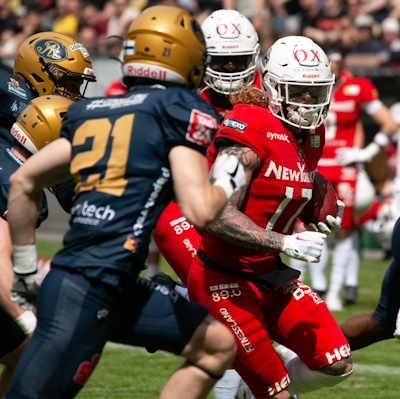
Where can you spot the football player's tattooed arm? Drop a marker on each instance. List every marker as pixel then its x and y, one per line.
pixel 234 226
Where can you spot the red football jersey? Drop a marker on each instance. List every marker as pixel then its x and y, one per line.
pixel 344 113
pixel 174 236
pixel 280 186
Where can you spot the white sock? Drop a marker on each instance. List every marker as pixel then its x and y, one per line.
pixel 300 266
pixel 227 386
pixel 318 271
pixel 152 269
pixel 353 264
pixel 303 380
pixel 340 259
pixel 284 353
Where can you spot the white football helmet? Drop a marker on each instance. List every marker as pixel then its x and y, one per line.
pixel 230 36
pixel 294 70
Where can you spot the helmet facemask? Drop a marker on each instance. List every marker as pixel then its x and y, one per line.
pixel 301 104
pixel 67 83
pixel 219 79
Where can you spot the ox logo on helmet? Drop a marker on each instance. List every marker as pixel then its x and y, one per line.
pixel 230 31
pixel 51 50
pixel 308 57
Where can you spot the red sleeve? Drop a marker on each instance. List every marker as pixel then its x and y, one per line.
pixel 242 125
pixel 368 91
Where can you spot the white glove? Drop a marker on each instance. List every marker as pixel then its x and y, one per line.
pixel 27 321
pixel 26 278
pixel 332 223
pixel 306 246
pixel 228 173
pixel 346 156
pixel 27 284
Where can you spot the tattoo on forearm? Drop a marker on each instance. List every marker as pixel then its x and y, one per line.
pixel 233 226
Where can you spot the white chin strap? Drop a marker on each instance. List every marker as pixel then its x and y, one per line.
pixel 304 117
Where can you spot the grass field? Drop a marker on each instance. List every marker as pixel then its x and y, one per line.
pixel 125 372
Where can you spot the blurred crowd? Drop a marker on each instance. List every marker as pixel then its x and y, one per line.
pixel 356 26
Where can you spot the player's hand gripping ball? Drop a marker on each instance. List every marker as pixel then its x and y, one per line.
pixel 324 211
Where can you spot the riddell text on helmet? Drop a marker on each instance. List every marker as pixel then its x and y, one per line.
pixel 18 135
pixel 146 72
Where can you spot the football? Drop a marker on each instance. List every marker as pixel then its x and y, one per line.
pixel 322 203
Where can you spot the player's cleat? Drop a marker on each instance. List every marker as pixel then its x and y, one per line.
pixel 333 302
pixel 351 295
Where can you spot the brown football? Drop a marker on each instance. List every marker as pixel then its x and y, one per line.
pixel 322 203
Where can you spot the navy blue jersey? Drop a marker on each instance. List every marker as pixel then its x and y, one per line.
pixel 120 165
pixel 9 164
pixel 64 192
pixel 14 97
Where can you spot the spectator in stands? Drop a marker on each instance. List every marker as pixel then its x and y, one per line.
pixel 390 33
pixel 257 12
pixel 332 26
pixel 284 18
pixel 310 12
pixel 391 38
pixel 29 23
pixel 87 35
pixel 203 8
pixel 394 9
pixel 368 43
pixel 377 8
pixel 92 17
pixel 66 20
pixel 8 22
pixel 123 15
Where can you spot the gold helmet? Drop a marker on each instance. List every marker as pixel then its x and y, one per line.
pixel 44 58
pixel 40 122
pixel 165 43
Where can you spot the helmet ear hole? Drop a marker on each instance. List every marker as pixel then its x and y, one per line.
pixel 37 78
